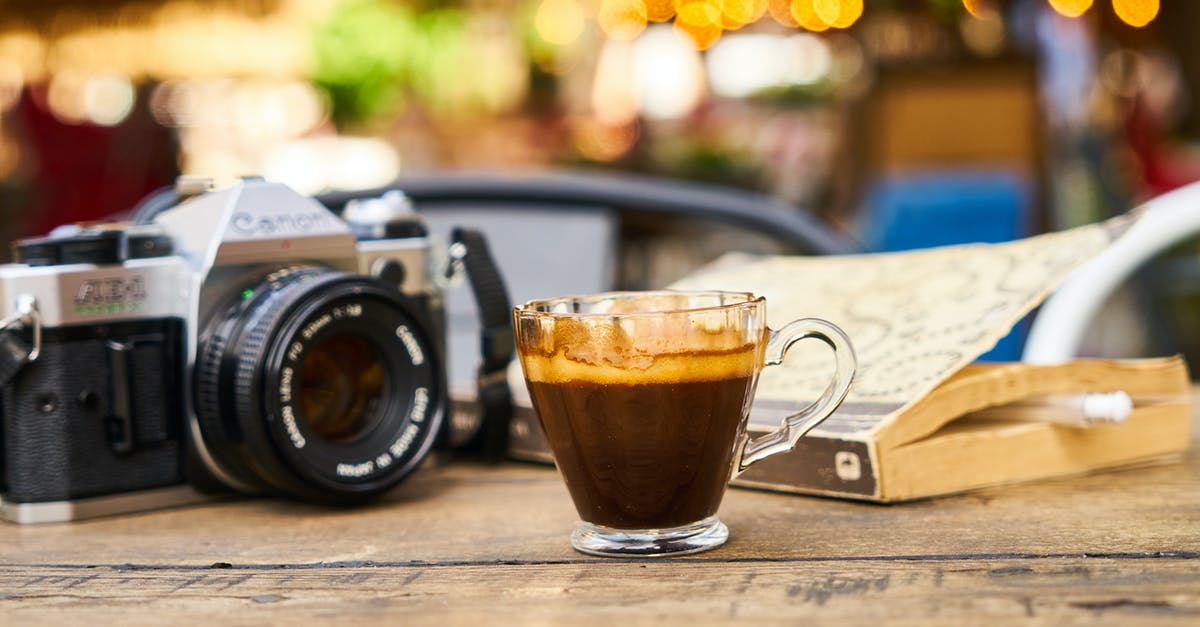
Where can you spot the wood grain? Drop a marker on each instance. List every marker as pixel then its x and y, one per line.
pixel 520 512
pixel 461 544
pixel 1052 591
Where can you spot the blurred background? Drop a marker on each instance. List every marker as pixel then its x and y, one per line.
pixel 905 123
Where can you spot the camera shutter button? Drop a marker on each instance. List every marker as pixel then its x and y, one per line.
pixel 388 270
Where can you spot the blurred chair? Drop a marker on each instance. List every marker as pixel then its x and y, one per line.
pixel 560 233
pixel 945 207
pixel 951 154
pixel 906 212
pixel 570 250
pixel 1062 321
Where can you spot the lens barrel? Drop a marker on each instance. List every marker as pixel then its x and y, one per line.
pixel 319 384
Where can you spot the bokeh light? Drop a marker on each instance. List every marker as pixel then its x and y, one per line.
pixel 1136 13
pixel 738 13
pixel 319 164
pixel 107 98
pixel 12 81
pixel 983 33
pixel 27 50
pixel 559 22
pixel 668 73
pixel 232 83
pixel 741 65
pixel 1071 8
pixel 729 24
pixel 702 36
pixel 838 13
pixel 660 10
pixel 975 6
pixel 613 99
pixel 102 98
pixel 490 45
pixel 622 19
pixel 700 20
pixel 64 97
pixel 599 141
pixel 781 12
pixel 806 16
pixel 698 12
pixel 166 100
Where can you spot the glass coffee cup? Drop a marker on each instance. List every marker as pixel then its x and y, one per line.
pixel 644 399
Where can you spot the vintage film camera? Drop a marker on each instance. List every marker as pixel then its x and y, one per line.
pixel 246 339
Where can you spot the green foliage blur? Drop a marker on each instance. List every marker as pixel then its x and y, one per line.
pixel 371 55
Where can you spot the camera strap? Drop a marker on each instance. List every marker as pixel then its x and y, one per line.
pixel 469 247
pixel 15 351
pixel 14 354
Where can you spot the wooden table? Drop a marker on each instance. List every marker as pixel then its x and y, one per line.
pixel 467 544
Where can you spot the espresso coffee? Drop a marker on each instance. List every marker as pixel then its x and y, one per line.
pixel 647 448
pixel 644 396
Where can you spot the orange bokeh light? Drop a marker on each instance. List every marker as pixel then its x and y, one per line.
pixel 601 141
pixel 781 11
pixel 622 19
pixel 974 6
pixel 660 10
pixel 806 15
pixel 1136 13
pixel 848 13
pixel 559 21
pixel 698 13
pixel 838 13
pixel 703 35
pixel 737 13
pixel 728 23
pixel 1071 8
pixel 760 9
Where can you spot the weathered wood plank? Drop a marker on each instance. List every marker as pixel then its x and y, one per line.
pixel 465 544
pixel 1052 591
pixel 518 512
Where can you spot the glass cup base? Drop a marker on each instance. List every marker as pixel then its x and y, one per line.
pixel 709 533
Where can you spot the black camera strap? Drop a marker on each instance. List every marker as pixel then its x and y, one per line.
pixel 15 351
pixel 14 354
pixel 496 342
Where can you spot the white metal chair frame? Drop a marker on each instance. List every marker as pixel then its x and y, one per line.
pixel 1059 327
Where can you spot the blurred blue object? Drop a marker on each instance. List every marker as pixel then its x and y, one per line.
pixel 905 212
pixel 944 208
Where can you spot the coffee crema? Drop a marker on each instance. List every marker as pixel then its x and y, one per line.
pixel 644 447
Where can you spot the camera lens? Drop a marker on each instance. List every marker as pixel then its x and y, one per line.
pixel 340 387
pixel 320 384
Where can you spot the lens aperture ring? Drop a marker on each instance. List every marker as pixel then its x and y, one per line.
pixel 220 405
pixel 257 334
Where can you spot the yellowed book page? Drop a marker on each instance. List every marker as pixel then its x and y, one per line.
pixel 915 318
pixel 980 386
pixel 984 453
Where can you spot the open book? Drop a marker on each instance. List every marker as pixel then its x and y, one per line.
pixel 917 422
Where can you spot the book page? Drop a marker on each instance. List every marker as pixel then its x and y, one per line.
pixel 914 318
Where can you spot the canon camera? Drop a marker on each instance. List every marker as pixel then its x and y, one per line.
pixel 245 339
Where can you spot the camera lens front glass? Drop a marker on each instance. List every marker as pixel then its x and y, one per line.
pixel 340 387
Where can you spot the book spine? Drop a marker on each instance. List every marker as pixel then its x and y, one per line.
pixel 824 464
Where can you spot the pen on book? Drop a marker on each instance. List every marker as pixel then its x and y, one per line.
pixel 1074 410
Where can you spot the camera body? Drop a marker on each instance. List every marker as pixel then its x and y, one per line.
pixel 246 339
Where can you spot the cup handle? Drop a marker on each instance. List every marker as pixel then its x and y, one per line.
pixel 796 425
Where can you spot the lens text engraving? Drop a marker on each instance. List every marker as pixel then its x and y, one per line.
pixel 410 342
pixel 289 423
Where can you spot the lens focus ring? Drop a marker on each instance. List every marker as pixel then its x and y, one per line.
pixel 257 335
pixel 304 386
